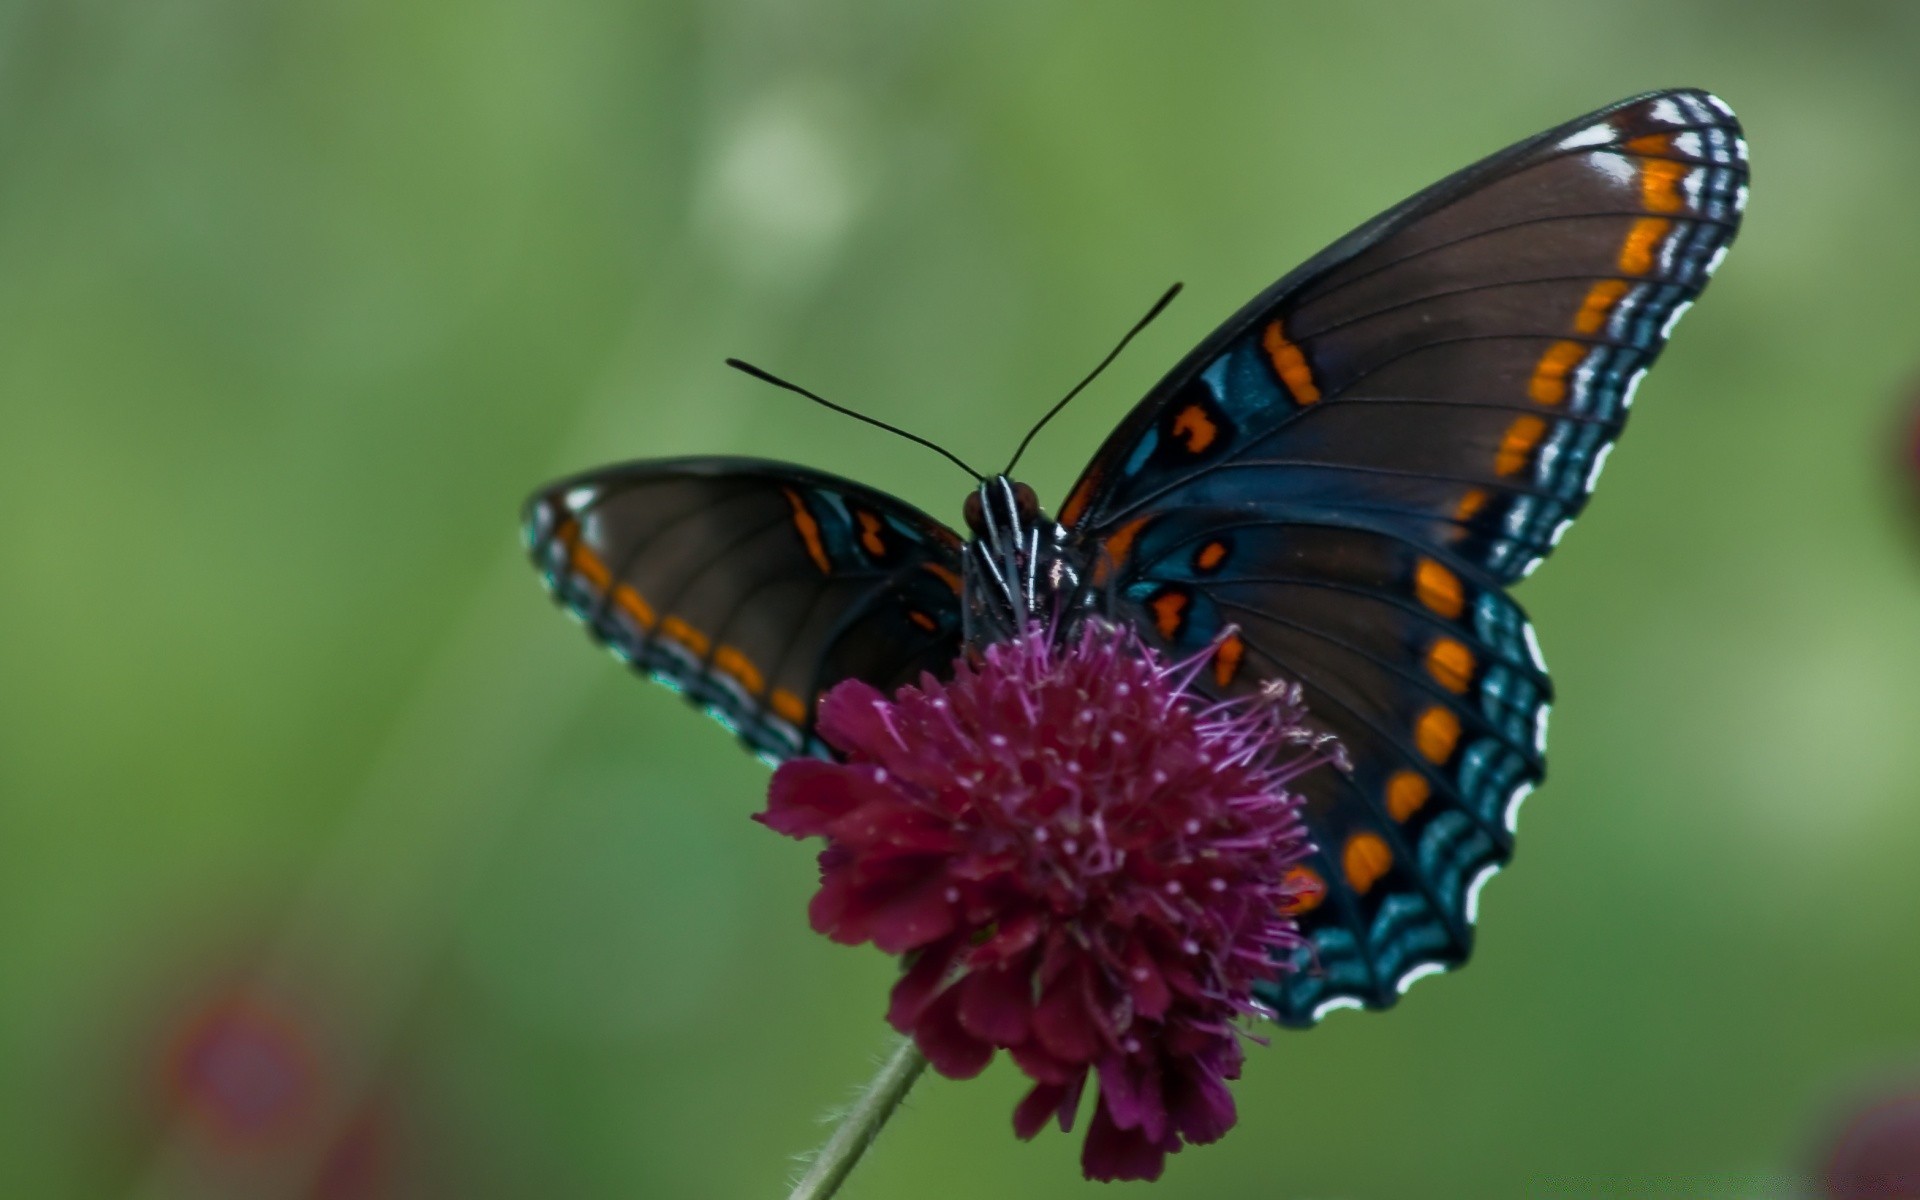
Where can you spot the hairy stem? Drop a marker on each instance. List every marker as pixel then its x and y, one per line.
pixel 862 1123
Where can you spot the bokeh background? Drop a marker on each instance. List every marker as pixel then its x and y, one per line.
pixel 335 863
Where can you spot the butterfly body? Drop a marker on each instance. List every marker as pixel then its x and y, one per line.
pixel 1334 489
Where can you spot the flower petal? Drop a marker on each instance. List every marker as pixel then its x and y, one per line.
pixel 1200 1103
pixel 853 718
pixel 912 916
pixel 916 988
pixel 1113 1153
pixel 805 795
pixel 953 1051
pixel 1146 984
pixel 996 1005
pixel 1130 1091
pixel 1031 1115
pixel 1061 1022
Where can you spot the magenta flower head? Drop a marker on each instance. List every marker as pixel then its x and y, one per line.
pixel 1085 863
pixel 1877 1153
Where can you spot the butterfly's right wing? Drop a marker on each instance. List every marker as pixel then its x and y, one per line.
pixel 751 586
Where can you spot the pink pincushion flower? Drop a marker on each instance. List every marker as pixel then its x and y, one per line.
pixel 1086 864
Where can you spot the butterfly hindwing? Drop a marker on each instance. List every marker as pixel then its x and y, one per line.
pixel 1427 673
pixel 1352 468
pixel 751 586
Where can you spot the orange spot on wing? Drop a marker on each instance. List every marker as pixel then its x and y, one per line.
pixel 1451 664
pixel 628 601
pixel 734 663
pixel 1650 143
pixel 1518 445
pixel 944 575
pixel 1407 793
pixel 589 566
pixel 1660 184
pixel 1636 256
pixel 1470 504
pixel 1211 556
pixel 1114 550
pixel 809 530
pixel 1196 427
pixel 583 561
pixel 1601 298
pixel 1438 588
pixel 789 707
pixel 1226 660
pixel 1076 504
pixel 1167 609
pixel 1365 860
pixel 870 534
pixel 1436 733
pixel 1549 382
pixel 922 620
pixel 1304 890
pixel 677 630
pixel 1290 364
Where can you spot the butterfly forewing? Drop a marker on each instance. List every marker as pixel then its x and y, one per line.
pixel 751 586
pixel 1350 471
pixel 1458 366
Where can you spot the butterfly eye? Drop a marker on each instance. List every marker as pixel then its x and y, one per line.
pixel 975 514
pixel 1026 504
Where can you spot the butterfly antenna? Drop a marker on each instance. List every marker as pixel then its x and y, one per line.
pixel 778 382
pixel 1158 307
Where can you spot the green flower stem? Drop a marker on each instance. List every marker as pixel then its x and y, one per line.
pixel 862 1123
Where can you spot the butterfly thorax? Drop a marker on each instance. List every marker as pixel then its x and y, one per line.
pixel 1016 569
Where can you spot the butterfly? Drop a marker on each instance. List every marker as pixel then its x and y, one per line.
pixel 1337 488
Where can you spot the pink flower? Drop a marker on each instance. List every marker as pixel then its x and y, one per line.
pixel 1085 864
pixel 1877 1153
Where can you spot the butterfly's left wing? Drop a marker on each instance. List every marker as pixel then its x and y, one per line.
pixel 751 586
pixel 1353 467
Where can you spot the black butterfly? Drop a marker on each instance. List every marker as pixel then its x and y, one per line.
pixel 1348 473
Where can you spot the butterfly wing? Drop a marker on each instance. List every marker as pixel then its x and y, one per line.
pixel 750 586
pixel 1354 466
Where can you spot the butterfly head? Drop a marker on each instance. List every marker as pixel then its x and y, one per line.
pixel 1016 568
pixel 1000 504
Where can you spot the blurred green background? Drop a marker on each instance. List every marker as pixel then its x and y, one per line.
pixel 297 301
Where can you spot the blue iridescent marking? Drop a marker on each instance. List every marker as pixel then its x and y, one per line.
pixel 1143 451
pixel 1243 379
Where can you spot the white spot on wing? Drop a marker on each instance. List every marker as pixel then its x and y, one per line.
pixel 1540 728
pixel 1514 802
pixel 1532 566
pixel 1719 104
pixel 1673 318
pixel 1617 167
pixel 1688 143
pixel 1334 1005
pixel 1416 975
pixel 1533 647
pixel 1633 385
pixel 1592 135
pixel 1719 256
pixel 1740 148
pixel 1473 891
pixel 1692 184
pixel 1559 531
pixel 1667 112
pixel 1740 199
pixel 580 497
pixel 1599 461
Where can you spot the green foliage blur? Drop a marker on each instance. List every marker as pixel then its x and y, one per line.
pixel 298 301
